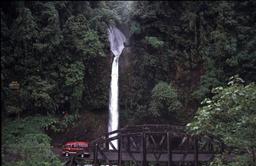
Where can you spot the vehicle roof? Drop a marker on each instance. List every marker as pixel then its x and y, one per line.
pixel 76 142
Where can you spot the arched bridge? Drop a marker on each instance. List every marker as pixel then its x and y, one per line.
pixel 156 144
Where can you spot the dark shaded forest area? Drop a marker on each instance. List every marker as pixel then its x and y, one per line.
pixel 186 63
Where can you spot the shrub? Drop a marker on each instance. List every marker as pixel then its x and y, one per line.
pixel 164 100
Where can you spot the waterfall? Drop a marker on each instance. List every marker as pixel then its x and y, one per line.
pixel 116 39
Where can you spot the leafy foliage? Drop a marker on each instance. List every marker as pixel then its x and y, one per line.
pixel 194 46
pixel 63 124
pixel 230 115
pixel 135 27
pixel 24 143
pixel 80 39
pixel 45 48
pixel 164 101
pixel 240 160
pixel 154 42
pixel 37 95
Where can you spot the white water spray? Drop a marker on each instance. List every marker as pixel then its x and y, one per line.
pixel 116 39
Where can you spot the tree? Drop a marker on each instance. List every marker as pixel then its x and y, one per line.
pixel 227 47
pixel 25 143
pixel 230 115
pixel 165 102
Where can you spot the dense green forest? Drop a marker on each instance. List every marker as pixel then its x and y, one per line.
pixel 189 63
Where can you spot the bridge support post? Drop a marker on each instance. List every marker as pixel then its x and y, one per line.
pixel 222 147
pixel 128 144
pixel 144 152
pixel 95 155
pixel 120 151
pixel 71 161
pixel 196 150
pixel 107 143
pixel 169 148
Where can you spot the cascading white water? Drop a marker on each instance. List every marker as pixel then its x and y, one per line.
pixel 116 39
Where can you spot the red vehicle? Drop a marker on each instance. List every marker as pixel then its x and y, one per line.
pixel 76 147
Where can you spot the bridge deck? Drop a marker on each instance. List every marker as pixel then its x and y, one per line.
pixel 176 157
